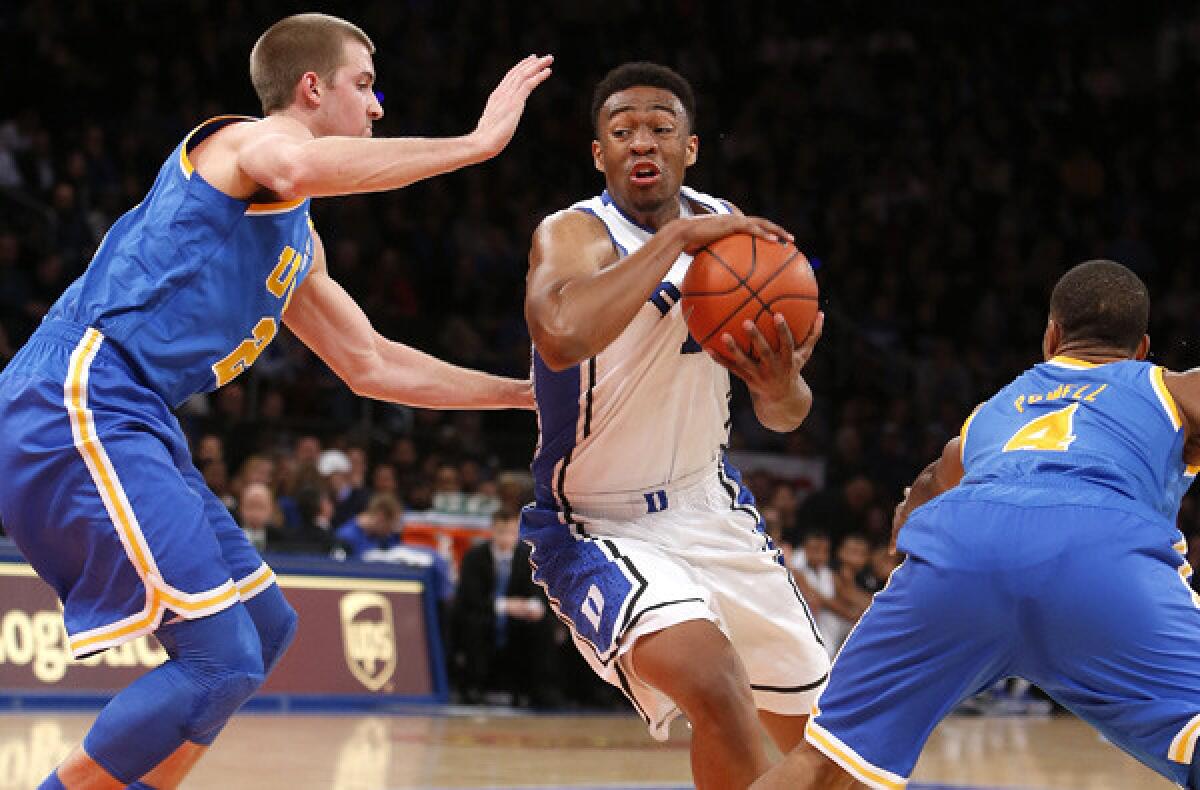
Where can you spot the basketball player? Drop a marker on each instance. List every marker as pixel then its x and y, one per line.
pixel 188 287
pixel 1050 553
pixel 643 536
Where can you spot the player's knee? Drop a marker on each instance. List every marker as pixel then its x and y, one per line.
pixel 227 673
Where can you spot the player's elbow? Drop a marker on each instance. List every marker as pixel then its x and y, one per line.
pixel 284 182
pixel 559 344
pixel 560 351
pixel 361 373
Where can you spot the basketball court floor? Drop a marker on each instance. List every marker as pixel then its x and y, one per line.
pixel 463 748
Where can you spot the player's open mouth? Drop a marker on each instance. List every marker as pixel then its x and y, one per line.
pixel 645 174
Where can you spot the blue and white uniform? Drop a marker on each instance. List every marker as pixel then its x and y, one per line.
pixel 97 487
pixel 1056 559
pixel 639 523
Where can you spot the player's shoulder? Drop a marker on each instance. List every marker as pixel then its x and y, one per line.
pixel 571 223
pixel 275 127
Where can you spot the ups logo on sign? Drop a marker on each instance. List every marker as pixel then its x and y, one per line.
pixel 369 638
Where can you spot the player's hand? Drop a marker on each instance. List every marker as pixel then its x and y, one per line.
pixel 506 104
pixel 770 373
pixel 695 232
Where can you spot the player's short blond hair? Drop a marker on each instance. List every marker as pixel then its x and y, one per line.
pixel 295 45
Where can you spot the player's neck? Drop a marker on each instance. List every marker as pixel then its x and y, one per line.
pixel 654 219
pixel 1096 355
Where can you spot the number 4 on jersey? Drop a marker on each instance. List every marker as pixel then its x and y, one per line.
pixel 1053 432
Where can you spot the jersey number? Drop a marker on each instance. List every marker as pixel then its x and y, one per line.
pixel 1053 432
pixel 279 284
pixel 246 352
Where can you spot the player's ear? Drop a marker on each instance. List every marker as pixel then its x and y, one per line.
pixel 310 89
pixel 693 149
pixel 1143 349
pixel 1052 339
pixel 597 156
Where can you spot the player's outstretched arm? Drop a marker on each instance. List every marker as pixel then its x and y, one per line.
pixel 330 322
pixel 282 155
pixel 579 297
pixel 937 478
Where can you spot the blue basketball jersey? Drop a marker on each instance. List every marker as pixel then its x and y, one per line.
pixel 1067 429
pixel 190 284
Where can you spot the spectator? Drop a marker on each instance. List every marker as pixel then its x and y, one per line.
pixel 502 633
pixel 841 510
pixel 350 494
pixel 448 494
pixel 815 578
pixel 256 514
pixel 377 527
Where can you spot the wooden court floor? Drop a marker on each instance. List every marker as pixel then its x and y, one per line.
pixel 476 749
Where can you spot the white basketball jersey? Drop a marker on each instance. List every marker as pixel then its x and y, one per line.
pixel 650 409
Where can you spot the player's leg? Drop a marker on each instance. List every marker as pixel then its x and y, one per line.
pixel 647 627
pixel 695 665
pixel 761 608
pixel 215 665
pixel 273 616
pixel 1120 644
pixel 933 637
pixel 786 730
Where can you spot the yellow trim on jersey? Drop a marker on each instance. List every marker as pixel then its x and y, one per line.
pixel 1184 744
pixel 962 441
pixel 1071 362
pixel 281 207
pixel 185 162
pixel 1191 470
pixel 848 759
pixel 1181 546
pixel 1164 396
pixel 159 595
pixel 256 582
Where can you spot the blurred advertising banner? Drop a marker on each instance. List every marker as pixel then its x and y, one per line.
pixel 366 632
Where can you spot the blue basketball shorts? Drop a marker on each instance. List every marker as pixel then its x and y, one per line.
pixel 1091 604
pixel 622 566
pixel 98 491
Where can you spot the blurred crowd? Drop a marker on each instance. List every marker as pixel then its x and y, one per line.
pixel 941 165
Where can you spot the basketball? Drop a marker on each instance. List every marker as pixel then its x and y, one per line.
pixel 745 278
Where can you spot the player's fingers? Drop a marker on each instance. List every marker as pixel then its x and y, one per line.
pixel 814 334
pixel 758 342
pixel 734 352
pixel 533 66
pixel 787 343
pixel 766 229
pixel 518 73
pixel 537 79
pixel 722 361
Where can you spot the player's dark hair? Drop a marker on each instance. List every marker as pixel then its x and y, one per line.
pixel 643 73
pixel 1101 302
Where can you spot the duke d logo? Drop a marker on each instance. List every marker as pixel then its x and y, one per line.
pixel 369 638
